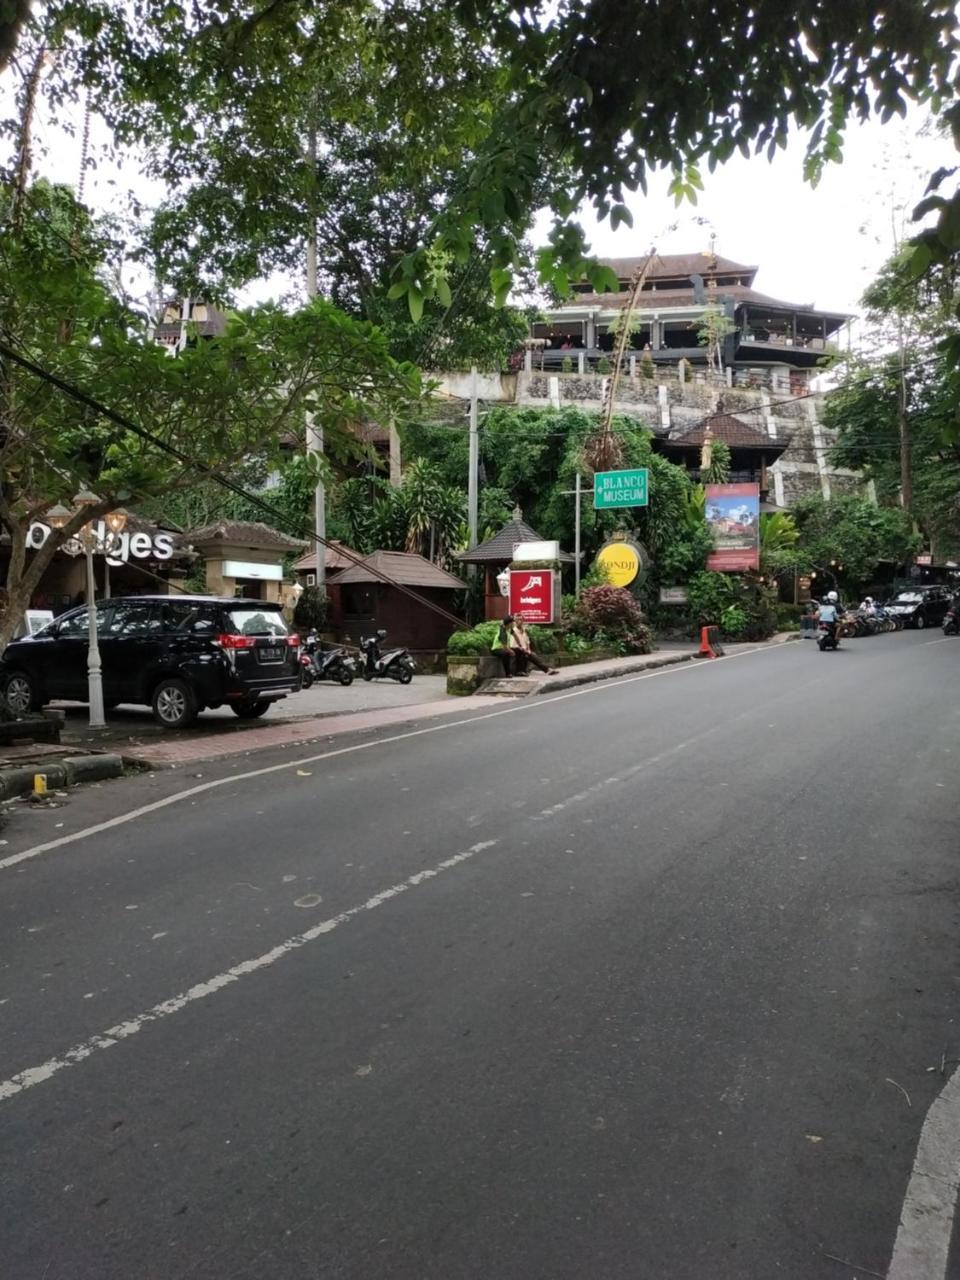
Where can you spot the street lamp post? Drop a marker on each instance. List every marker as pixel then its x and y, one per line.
pixel 115 522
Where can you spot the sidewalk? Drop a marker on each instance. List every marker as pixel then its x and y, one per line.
pixel 133 735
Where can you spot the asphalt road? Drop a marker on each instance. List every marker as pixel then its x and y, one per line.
pixel 640 981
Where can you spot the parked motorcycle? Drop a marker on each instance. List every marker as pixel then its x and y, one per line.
pixel 395 664
pixel 951 623
pixel 317 663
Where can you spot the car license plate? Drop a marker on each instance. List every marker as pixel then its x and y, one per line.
pixel 271 654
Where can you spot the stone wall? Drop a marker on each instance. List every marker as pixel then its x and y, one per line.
pixel 670 407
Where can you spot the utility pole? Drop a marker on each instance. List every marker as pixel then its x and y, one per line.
pixel 576 493
pixel 315 433
pixel 576 539
pixel 903 424
pixel 474 463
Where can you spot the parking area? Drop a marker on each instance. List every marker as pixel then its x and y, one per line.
pixel 131 723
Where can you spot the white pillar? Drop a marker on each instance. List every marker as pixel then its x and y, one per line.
pixel 94 669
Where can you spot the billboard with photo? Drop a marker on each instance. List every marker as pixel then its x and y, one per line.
pixel 733 518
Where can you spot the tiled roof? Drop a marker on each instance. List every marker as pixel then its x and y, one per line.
pixel 499 548
pixel 402 566
pixel 245 533
pixel 334 560
pixel 725 427
pixel 680 264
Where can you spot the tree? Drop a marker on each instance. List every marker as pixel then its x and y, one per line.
pixel 851 536
pixel 894 410
pixel 541 102
pixel 712 328
pixel 218 401
pixel 717 469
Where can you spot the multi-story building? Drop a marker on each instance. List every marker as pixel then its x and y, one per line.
pixel 762 341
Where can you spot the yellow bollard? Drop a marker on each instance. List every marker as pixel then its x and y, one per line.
pixel 39 784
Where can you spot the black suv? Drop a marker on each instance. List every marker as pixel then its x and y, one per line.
pixel 177 654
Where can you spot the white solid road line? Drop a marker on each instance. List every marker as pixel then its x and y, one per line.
pixel 33 1076
pixel 532 704
pixel 922 1247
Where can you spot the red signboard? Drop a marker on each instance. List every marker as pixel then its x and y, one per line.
pixel 733 518
pixel 531 594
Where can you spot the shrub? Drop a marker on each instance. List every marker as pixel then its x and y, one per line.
pixel 611 616
pixel 310 611
pixel 543 639
pixel 610 609
pixel 788 617
pixel 603 365
pixel 574 643
pixel 734 621
pixel 566 365
pixel 647 369
pixel 708 594
pixel 477 641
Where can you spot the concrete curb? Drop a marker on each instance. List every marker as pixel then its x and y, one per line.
pixel 594 677
pixel 59 773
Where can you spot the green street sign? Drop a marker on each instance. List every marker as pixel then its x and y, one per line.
pixel 621 488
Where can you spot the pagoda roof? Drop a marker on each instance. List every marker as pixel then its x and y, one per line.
pixel 667 265
pixel 499 548
pixel 732 431
pixel 245 533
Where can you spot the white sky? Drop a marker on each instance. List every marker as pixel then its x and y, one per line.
pixel 813 245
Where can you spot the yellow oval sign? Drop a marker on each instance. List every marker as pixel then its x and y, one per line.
pixel 621 562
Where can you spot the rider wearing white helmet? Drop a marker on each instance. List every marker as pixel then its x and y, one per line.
pixel 828 610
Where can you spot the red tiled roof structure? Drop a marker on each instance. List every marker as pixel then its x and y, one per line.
pixel 733 432
pixel 405 567
pixel 667 265
pixel 245 533
pixel 499 548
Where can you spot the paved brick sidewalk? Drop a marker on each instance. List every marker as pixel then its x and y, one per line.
pixel 170 752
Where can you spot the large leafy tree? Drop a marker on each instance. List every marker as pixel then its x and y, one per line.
pixel 894 409
pixel 215 403
pixel 851 537
pixel 529 104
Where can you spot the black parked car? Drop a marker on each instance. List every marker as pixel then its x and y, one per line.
pixel 921 606
pixel 178 654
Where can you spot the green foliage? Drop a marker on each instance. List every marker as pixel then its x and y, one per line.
pixel 577 644
pixel 603 365
pixel 424 515
pixel 734 621
pixel 233 397
pixel 864 411
pixel 718 472
pixel 566 365
pixel 610 616
pixel 778 543
pixel 490 114
pixel 713 328
pixel 709 595
pixel 853 534
pixel 647 367
pixel 310 610
pixel 477 640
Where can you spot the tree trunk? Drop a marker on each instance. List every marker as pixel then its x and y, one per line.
pixel 24 150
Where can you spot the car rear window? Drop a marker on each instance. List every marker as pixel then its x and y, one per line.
pixel 252 621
